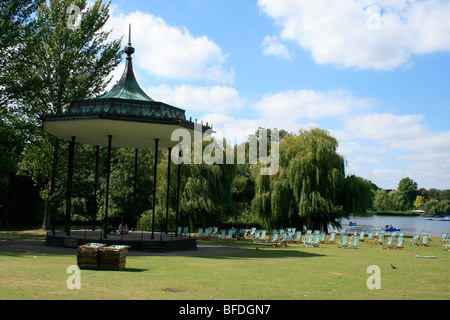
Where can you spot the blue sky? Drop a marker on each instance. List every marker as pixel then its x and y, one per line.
pixel 375 74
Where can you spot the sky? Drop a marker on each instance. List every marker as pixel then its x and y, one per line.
pixel 374 74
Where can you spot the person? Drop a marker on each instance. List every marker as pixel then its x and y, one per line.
pixel 123 228
pixel 109 229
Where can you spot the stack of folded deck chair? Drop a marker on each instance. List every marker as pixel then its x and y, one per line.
pixel 87 255
pixel 112 257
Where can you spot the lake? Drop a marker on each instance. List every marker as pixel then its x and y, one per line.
pixel 408 225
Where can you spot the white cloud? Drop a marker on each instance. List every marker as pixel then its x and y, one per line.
pixel 310 104
pixel 387 127
pixel 209 99
pixel 351 34
pixel 171 51
pixel 273 46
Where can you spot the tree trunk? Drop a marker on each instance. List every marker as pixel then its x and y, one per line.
pixel 49 205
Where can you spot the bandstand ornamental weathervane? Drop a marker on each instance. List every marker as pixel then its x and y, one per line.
pixel 125 117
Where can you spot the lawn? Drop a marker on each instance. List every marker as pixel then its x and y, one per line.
pixel 292 273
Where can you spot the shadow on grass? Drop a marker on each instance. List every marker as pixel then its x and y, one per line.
pixel 259 251
pixel 268 255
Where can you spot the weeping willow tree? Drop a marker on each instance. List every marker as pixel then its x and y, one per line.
pixel 308 187
pixel 206 196
pixel 316 173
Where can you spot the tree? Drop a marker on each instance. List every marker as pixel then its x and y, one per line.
pixel 206 196
pixel 408 188
pixel 444 195
pixel 60 64
pixel 16 25
pixel 309 185
pixel 419 201
pixel 382 202
pixel 433 194
pixel 358 195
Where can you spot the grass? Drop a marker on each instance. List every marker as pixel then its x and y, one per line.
pixel 292 273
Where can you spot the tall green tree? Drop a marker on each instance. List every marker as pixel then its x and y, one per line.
pixel 309 185
pixel 206 197
pixel 358 195
pixel 60 64
pixel 16 25
pixel 410 191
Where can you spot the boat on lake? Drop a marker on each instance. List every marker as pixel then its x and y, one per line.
pixel 391 229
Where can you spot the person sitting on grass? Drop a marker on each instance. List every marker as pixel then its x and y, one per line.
pixel 123 228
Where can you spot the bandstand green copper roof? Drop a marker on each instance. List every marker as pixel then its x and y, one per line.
pixel 127 88
pixel 126 112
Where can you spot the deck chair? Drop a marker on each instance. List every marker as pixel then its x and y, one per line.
pixel 308 239
pixel 282 241
pixel 362 236
pixel 388 242
pixel 215 231
pixel 256 235
pixel 370 238
pixel 331 238
pixel 322 237
pixel 354 243
pixel 292 230
pixel 297 237
pixel 223 233
pixel 424 241
pixel 343 242
pixel 199 233
pixel 260 237
pixel 206 234
pixel 315 242
pixel 444 238
pixel 289 236
pixel 273 239
pixel 415 240
pixel 399 243
pixel 447 246
pixel 380 238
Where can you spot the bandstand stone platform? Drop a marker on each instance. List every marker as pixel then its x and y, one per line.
pixel 137 240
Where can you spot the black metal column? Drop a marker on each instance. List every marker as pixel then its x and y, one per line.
pixel 154 188
pixel 168 190
pixel 69 185
pixel 97 154
pixel 108 174
pixel 178 199
pixel 134 220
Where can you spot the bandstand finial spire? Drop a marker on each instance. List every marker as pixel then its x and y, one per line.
pixel 129 50
pixel 129 34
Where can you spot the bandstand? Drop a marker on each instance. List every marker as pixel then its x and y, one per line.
pixel 125 117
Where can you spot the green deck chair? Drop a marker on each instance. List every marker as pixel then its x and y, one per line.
pixel 362 236
pixel 354 243
pixel 343 242
pixel 308 239
pixel 332 238
pixel 297 237
pixel 199 233
pixel 399 243
pixel 273 239
pixel 388 242
pixel 425 239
